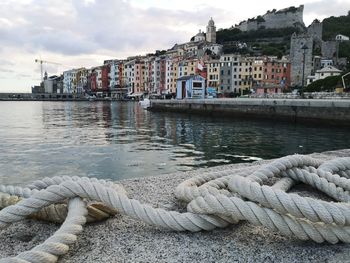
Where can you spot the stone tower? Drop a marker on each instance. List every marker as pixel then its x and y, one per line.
pixel 301 47
pixel 315 30
pixel 211 31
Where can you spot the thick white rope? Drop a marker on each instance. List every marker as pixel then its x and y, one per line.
pixel 57 244
pixel 214 200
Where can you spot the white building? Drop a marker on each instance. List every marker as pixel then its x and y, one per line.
pixel 98 72
pixel 327 72
pixel 199 37
pixel 168 74
pixel 214 48
pixel 129 74
pixel 114 78
pixel 341 38
pixel 69 83
pixel 323 73
pixel 326 62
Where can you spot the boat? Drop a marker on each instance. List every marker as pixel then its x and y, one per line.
pixel 145 103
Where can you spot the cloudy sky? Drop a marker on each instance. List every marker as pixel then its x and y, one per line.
pixel 78 33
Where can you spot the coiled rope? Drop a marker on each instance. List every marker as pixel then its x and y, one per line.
pixel 214 200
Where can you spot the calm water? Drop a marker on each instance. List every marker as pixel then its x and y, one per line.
pixel 117 140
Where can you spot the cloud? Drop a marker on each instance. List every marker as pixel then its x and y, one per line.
pixel 5 62
pixel 84 33
pixel 84 27
pixel 322 8
pixel 20 75
pixel 5 70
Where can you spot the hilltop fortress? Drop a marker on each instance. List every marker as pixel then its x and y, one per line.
pixel 288 17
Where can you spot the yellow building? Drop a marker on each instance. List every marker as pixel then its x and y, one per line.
pixel 213 73
pixel 246 73
pixel 188 67
pixel 258 71
pixel 172 64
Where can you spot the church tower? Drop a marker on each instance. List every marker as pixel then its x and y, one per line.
pixel 211 31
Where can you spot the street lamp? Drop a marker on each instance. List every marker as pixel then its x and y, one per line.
pixel 304 48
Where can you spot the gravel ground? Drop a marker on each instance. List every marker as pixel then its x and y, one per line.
pixel 123 239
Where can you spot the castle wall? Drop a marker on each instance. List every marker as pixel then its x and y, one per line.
pixel 279 19
pixel 315 30
pixel 330 50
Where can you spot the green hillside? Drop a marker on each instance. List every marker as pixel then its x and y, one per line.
pixel 262 42
pixel 333 26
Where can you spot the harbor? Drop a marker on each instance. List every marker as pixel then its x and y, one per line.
pixel 162 131
pixel 120 140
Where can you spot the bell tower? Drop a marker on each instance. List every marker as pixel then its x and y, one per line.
pixel 211 31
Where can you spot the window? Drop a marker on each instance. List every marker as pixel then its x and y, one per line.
pixel 197 84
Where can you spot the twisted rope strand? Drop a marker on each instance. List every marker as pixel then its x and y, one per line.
pixel 214 200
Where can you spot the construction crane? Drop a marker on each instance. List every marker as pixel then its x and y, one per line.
pixel 41 65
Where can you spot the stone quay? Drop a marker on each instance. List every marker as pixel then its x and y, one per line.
pixel 330 112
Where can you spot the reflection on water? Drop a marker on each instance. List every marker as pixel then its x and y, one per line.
pixel 116 140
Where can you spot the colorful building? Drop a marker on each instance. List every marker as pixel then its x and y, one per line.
pixel 213 73
pixel 277 74
pixel 190 87
pixel 246 74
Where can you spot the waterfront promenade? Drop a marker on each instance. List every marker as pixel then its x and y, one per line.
pixel 122 239
pixel 325 111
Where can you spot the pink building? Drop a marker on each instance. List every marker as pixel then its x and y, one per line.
pixel 277 76
pixel 139 85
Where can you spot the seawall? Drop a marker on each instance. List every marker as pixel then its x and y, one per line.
pixel 336 112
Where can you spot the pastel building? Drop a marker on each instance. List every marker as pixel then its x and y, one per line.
pixel 213 73
pixel 190 87
pixel 323 73
pixel 229 77
pixel 139 71
pixel 81 80
pixel 258 72
pixel 246 74
pixel 129 74
pixel 277 74
pixel 69 81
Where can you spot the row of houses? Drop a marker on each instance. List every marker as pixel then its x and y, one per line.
pixel 162 74
pixel 228 74
pixel 158 75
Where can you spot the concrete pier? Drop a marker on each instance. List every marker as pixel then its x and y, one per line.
pixel 335 112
